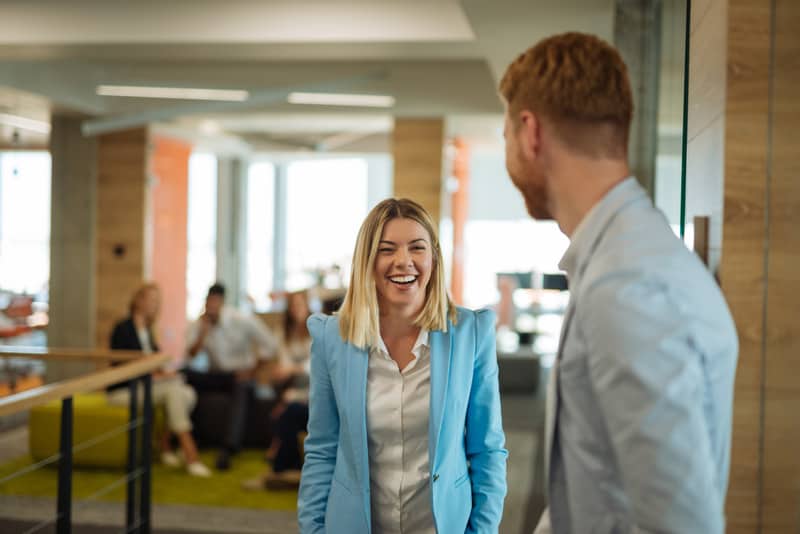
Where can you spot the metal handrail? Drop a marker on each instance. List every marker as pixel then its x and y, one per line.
pixel 94 381
pixel 136 368
pixel 69 354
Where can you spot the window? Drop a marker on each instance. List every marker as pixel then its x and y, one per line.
pixel 260 233
pixel 493 247
pixel 25 221
pixel 201 263
pixel 326 204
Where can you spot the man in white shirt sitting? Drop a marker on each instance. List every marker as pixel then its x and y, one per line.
pixel 236 345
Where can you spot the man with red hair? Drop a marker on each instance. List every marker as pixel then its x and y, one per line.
pixel 640 397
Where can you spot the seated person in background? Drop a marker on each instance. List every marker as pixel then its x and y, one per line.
pixel 136 333
pixel 228 338
pixel 290 415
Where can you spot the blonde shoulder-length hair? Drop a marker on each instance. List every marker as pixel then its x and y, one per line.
pixel 359 317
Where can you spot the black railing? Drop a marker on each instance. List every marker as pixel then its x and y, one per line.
pixel 138 472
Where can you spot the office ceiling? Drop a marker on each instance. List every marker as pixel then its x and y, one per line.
pixel 435 57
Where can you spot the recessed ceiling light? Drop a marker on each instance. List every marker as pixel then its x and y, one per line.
pixel 25 123
pixel 338 99
pixel 182 93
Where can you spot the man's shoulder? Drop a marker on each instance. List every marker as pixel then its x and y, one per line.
pixel 639 249
pixel 640 260
pixel 641 243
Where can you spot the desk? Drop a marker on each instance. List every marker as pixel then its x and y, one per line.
pixel 519 370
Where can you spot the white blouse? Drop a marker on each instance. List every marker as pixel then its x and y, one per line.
pixel 398 406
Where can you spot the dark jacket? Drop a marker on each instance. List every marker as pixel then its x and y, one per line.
pixel 124 337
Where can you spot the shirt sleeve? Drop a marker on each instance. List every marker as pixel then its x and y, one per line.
pixel 191 334
pixel 266 344
pixel 648 376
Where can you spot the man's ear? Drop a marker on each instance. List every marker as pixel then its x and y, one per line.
pixel 529 134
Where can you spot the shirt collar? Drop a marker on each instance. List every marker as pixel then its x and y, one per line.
pixel 594 223
pixel 422 341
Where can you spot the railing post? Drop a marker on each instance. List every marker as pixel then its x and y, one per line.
pixel 64 506
pixel 130 501
pixel 147 449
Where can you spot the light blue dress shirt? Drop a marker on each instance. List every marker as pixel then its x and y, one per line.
pixel 639 425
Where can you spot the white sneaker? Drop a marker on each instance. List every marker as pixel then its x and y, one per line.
pixel 198 469
pixel 170 459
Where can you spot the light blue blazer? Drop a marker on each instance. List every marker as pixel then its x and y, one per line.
pixel 467 458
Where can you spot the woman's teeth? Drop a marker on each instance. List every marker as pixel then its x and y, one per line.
pixel 403 279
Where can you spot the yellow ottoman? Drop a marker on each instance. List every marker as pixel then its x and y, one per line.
pixel 92 418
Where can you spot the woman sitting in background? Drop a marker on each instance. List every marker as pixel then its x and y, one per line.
pixel 136 333
pixel 290 415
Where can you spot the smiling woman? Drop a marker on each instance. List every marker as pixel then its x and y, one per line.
pixel 425 374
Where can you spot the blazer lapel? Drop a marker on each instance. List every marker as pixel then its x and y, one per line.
pixel 441 356
pixel 356 381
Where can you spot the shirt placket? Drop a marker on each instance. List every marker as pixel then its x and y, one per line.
pixel 405 381
pixel 401 426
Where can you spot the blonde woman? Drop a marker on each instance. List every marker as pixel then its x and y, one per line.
pixel 404 431
pixel 136 333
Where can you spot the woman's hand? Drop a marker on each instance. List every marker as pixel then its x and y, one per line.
pixel 163 374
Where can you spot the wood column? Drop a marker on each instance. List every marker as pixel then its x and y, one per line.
pixel 122 237
pixel 417 147
pixel 142 204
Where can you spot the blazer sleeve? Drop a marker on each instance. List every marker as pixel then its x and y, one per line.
pixel 323 436
pixel 484 439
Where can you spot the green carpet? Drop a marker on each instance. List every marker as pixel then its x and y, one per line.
pixel 170 486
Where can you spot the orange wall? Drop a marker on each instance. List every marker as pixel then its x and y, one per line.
pixel 459 209
pixel 169 167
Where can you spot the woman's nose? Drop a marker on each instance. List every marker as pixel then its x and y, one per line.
pixel 402 258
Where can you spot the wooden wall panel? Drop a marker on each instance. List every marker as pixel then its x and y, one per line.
pixel 781 482
pixel 121 216
pixel 417 148
pixel 744 235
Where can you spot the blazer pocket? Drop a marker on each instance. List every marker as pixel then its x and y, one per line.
pixel 460 481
